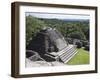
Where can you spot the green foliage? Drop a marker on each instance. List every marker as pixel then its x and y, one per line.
pixel 82 57
pixel 81 28
pixel 75 35
pixel 87 47
pixel 79 44
pixel 69 29
pixel 33 25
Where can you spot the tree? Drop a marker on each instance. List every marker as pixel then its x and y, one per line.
pixel 33 25
pixel 75 35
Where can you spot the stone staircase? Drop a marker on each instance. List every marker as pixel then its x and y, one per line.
pixel 68 54
pixel 65 54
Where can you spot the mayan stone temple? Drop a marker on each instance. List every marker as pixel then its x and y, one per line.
pixel 49 45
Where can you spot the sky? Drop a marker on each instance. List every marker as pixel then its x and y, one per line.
pixel 58 16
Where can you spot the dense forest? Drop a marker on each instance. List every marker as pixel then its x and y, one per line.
pixel 73 29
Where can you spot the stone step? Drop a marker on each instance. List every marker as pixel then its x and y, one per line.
pixel 61 52
pixel 70 57
pixel 65 49
pixel 67 52
pixel 66 58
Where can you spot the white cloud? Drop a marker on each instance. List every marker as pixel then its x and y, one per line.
pixel 58 16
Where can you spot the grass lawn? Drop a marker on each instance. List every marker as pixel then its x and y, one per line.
pixel 82 57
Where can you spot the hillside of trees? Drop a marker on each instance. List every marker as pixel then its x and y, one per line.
pixel 73 29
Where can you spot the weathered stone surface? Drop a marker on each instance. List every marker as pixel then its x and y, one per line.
pixel 30 63
pixel 47 41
